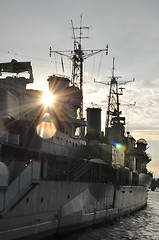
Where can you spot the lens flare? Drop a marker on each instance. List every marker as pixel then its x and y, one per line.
pixel 119 146
pixel 46 129
pixel 47 99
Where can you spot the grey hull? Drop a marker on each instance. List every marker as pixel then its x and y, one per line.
pixel 59 207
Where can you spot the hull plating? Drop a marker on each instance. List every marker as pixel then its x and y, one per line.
pixel 58 207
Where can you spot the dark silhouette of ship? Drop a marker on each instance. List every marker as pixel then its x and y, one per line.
pixel 154 184
pixel 54 178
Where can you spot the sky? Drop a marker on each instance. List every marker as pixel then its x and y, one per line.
pixel 29 27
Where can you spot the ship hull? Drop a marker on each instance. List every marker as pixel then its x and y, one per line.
pixel 59 207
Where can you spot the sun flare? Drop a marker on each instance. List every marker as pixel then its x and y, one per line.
pixel 47 99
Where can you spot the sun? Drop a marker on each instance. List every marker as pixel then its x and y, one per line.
pixel 47 99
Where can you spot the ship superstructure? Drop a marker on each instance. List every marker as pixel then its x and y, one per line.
pixel 54 178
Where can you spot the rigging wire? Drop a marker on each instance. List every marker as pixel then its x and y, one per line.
pixel 39 59
pixel 20 55
pixel 94 89
pixel 94 59
pixel 100 63
pixel 55 62
pixel 127 108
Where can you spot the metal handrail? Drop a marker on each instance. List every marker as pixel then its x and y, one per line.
pixel 20 184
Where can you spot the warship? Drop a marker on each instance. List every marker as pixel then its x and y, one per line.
pixel 58 172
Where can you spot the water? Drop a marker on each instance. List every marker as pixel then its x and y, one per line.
pixel 142 225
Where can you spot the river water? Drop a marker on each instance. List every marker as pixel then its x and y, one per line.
pixel 141 225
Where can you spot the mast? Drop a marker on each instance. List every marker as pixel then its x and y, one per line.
pixel 77 69
pixel 78 58
pixel 115 124
pixel 113 100
pixel 113 114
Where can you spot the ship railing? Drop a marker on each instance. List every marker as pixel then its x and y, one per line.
pixel 21 184
pixel 76 170
pixel 79 169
